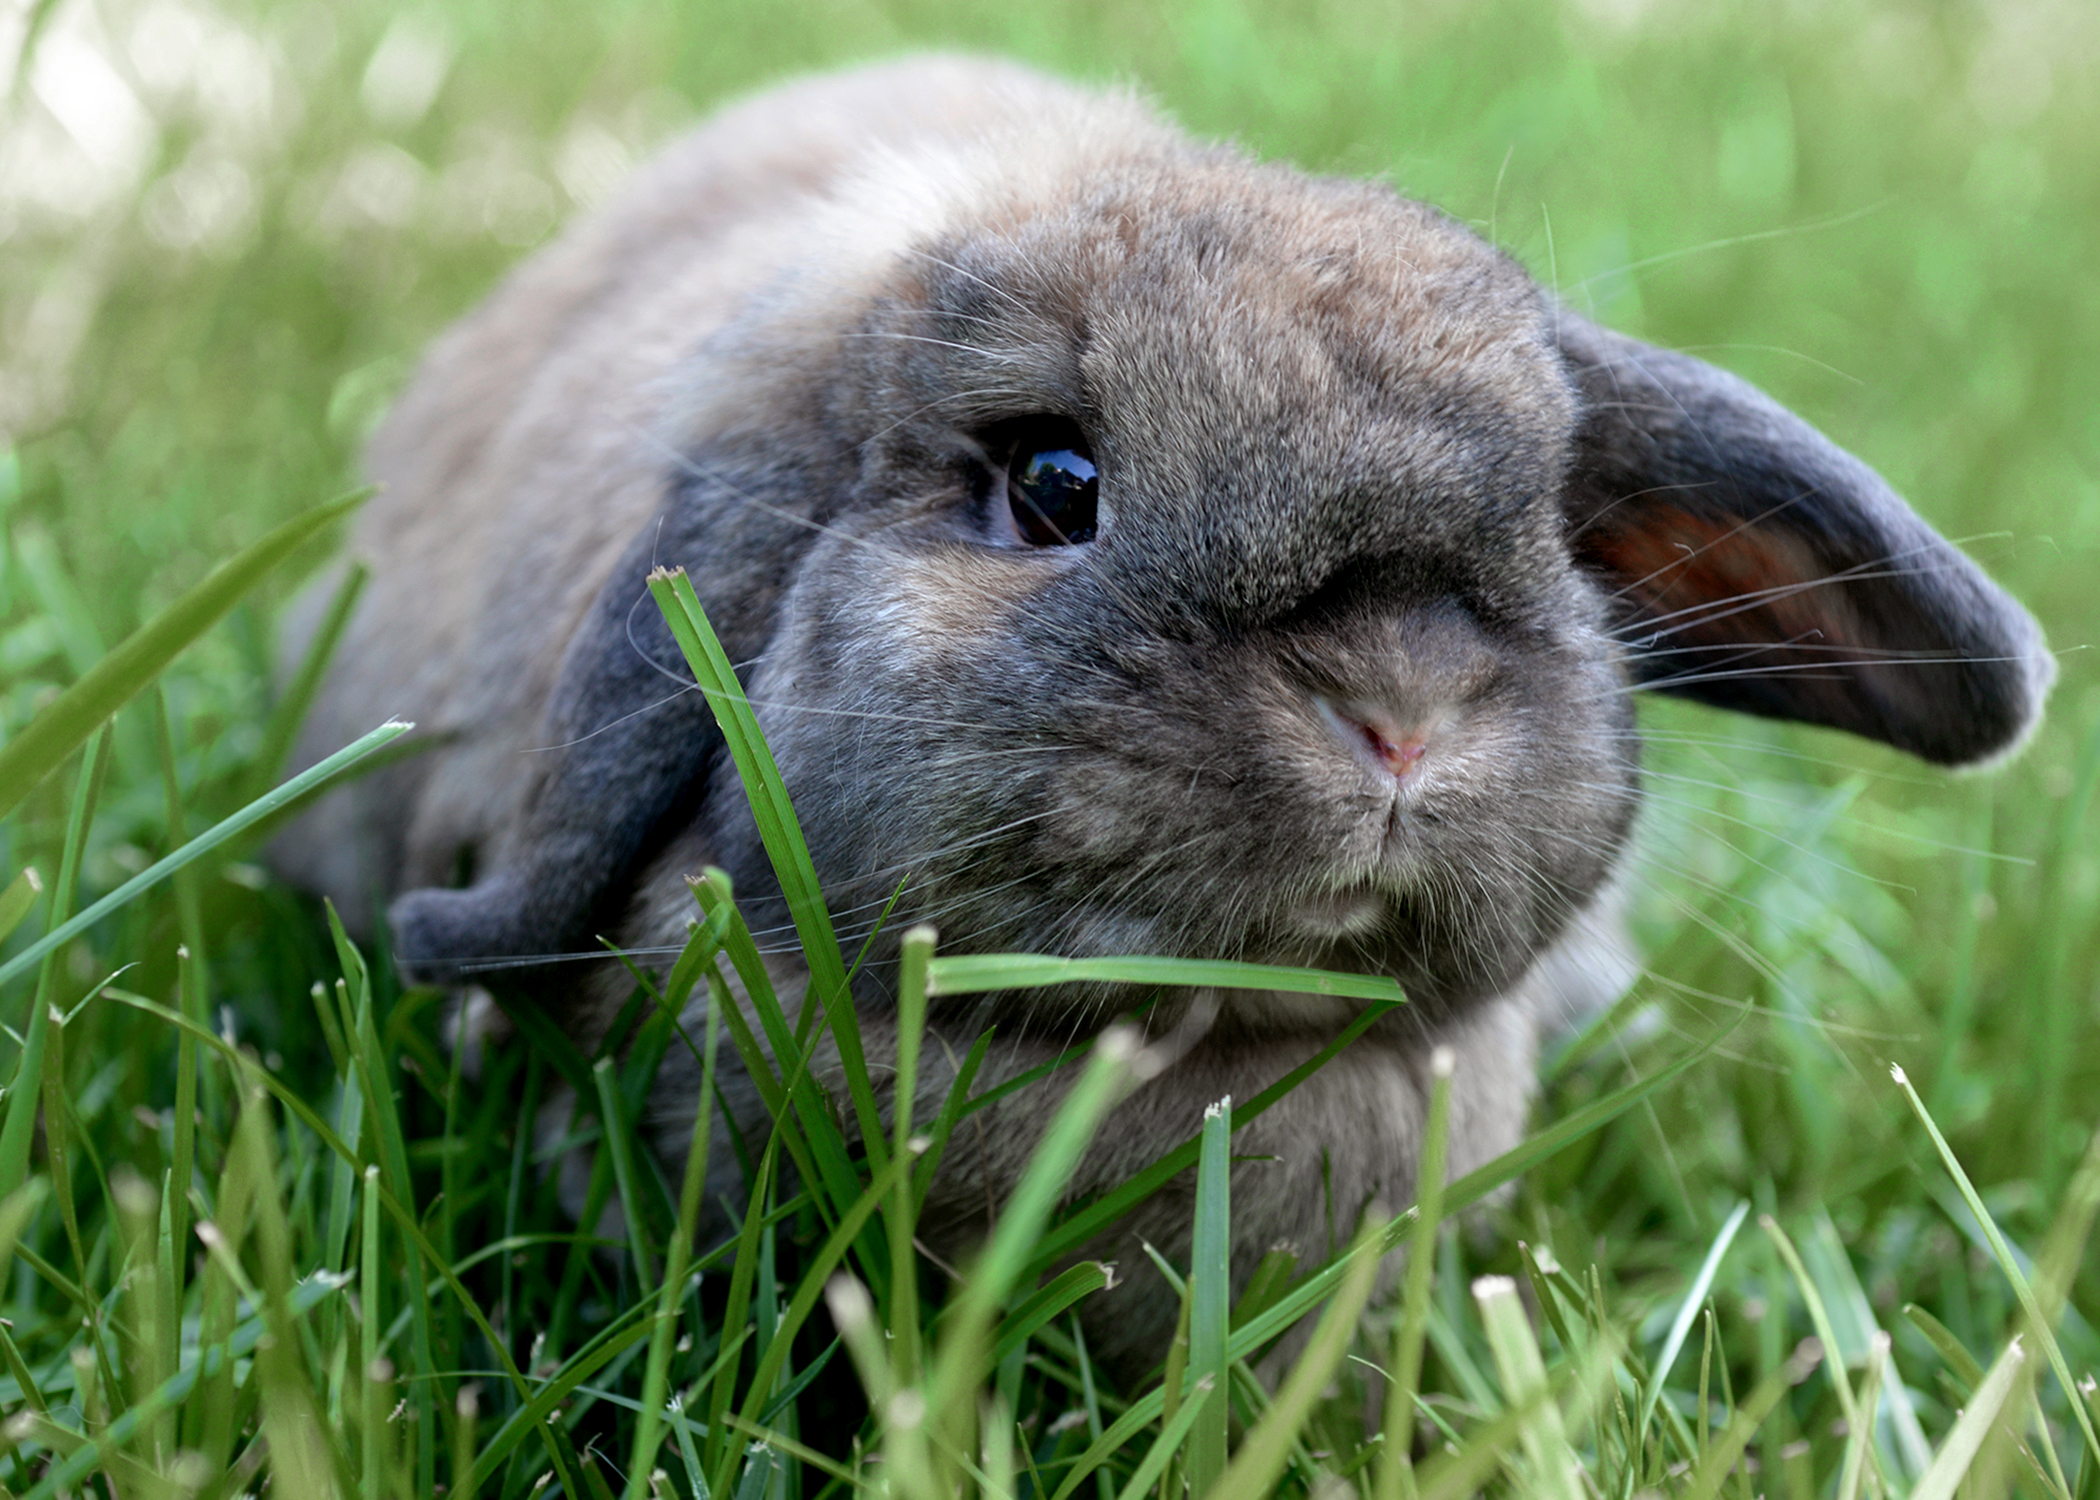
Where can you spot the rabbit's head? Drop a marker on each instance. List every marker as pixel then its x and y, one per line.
pixel 1137 549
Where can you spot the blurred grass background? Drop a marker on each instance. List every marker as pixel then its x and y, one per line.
pixel 227 228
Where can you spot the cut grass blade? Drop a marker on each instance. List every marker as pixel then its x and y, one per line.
pixel 1522 1370
pixel 1046 1305
pixel 1951 1464
pixel 61 726
pixel 1210 1291
pixel 312 778
pixel 913 956
pixel 372 1472
pixel 15 903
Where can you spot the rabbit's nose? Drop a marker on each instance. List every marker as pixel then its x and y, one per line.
pixel 1378 735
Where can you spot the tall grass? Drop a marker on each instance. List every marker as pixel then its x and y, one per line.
pixel 260 1225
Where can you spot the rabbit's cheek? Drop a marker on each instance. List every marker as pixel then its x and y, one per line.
pixel 945 606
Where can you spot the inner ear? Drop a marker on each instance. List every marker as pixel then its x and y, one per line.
pixel 1753 564
pixel 1741 614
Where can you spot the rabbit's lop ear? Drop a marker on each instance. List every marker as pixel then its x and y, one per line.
pixel 1755 565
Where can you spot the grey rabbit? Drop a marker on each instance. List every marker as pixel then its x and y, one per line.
pixel 1131 547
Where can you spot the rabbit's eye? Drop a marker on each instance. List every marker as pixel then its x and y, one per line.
pixel 1052 487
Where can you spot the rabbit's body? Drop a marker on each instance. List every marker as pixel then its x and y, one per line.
pixel 1330 667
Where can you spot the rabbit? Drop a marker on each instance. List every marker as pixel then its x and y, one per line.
pixel 1131 548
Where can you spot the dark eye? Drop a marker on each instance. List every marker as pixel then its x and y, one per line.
pixel 1051 485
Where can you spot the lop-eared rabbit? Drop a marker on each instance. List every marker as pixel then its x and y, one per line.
pixel 1130 547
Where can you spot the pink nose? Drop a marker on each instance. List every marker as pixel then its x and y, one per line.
pixel 1397 749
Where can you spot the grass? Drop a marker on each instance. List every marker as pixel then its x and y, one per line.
pixel 256 1225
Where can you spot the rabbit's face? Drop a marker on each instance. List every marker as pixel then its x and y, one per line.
pixel 1204 591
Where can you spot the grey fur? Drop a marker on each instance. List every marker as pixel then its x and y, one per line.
pixel 1351 456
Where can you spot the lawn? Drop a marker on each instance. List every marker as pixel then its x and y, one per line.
pixel 225 232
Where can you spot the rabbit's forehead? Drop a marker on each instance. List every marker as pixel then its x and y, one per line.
pixel 1319 354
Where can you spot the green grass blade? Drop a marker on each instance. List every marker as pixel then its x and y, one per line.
pixel 1395 1476
pixel 16 901
pixel 397 1188
pixel 979 973
pixel 1261 1459
pixel 778 829
pixel 1721 1457
pixel 814 1277
pixel 1951 1464
pixel 1687 1311
pixel 914 954
pixel 532 1416
pixel 1477 1184
pixel 20 1124
pixel 736 1315
pixel 678 1256
pixel 1051 1302
pixel 1859 1441
pixel 372 1472
pixel 54 733
pixel 1468 1190
pixel 1564 1132
pixel 467 1411
pixel 1210 1291
pixel 616 1138
pixel 1951 1349
pixel 2043 1325
pixel 809 1127
pixel 953 1108
pixel 1170 1439
pixel 1463 1473
pixel 166 1397
pixel 311 778
pixel 17 1211
pixel 1522 1371
pixel 1818 1314
pixel 819 1127
pixel 964 1349
pixel 342 1177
